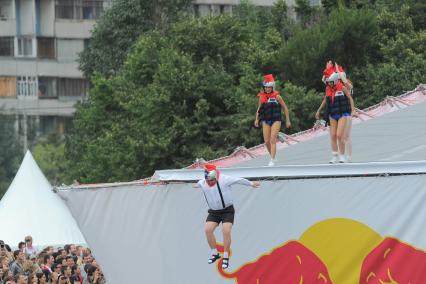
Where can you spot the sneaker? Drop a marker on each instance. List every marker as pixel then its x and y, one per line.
pixel 348 159
pixel 213 258
pixel 225 263
pixel 271 163
pixel 342 159
pixel 333 159
pixel 281 137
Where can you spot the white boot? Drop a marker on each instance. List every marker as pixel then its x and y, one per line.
pixel 271 163
pixel 334 158
pixel 342 159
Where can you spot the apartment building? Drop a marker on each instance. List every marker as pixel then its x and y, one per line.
pixel 39 44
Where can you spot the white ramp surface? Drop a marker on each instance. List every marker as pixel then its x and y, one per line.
pixel 396 136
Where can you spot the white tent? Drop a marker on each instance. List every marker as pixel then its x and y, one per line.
pixel 30 207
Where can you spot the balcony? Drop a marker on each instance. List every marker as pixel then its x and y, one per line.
pixel 41 95
pixel 16 66
pixel 49 107
pixel 78 29
pixel 7 27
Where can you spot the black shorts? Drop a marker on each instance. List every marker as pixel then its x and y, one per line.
pixel 223 215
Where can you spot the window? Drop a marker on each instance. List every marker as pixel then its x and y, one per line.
pixel 72 87
pixel 68 49
pixel 25 46
pixel 7 87
pixel 226 9
pixel 68 9
pixel 3 15
pixel 6 46
pixel 201 10
pixel 79 9
pixel 6 10
pixel 27 86
pixel 45 47
pixel 215 10
pixel 92 9
pixel 47 87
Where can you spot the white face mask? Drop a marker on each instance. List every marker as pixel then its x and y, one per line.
pixel 210 176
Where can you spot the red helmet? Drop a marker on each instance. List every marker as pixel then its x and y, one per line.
pixel 210 172
pixel 268 81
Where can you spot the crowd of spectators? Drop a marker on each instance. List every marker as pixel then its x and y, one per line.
pixel 70 264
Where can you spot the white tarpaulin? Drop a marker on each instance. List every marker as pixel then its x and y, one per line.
pixel 30 207
pixel 340 230
pixel 297 171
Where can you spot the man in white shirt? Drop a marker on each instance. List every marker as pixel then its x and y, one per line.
pixel 217 191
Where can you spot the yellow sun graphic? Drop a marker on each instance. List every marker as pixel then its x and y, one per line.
pixel 342 244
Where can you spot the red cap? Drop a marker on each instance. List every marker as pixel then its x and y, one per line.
pixel 328 71
pixel 268 78
pixel 209 167
pixel 268 81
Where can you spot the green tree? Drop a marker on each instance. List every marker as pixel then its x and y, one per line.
pixel 10 152
pixel 393 23
pixel 417 14
pixel 302 104
pixel 402 70
pixel 223 39
pixel 121 25
pixel 279 14
pixel 49 152
pixel 401 58
pixel 348 37
pixel 330 5
pixel 256 18
pixel 189 90
pixel 304 12
pixel 196 99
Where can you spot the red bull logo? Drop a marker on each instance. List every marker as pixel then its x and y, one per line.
pixel 289 264
pixel 341 251
pixel 394 262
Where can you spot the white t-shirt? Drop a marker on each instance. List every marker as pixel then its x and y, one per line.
pixel 221 197
pixel 30 251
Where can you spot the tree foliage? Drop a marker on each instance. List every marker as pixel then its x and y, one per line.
pixel 168 90
pixel 280 19
pixel 197 99
pixel 49 153
pixel 10 152
pixel 115 33
pixel 348 37
pixel 402 69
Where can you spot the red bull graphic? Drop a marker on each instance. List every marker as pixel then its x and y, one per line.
pixel 394 262
pixel 341 251
pixel 291 263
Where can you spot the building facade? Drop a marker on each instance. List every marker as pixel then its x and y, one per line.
pixel 39 45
